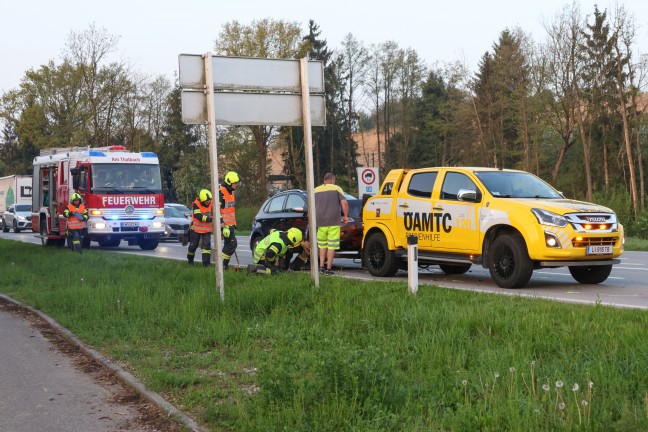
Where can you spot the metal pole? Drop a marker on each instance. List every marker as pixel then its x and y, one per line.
pixel 213 158
pixel 310 185
pixel 412 264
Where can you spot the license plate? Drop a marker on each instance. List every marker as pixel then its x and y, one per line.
pixel 129 224
pixel 599 250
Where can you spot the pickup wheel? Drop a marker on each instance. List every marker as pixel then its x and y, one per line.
pixel 590 274
pixel 377 258
pixel 455 269
pixel 510 265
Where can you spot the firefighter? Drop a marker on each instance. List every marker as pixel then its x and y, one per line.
pixel 201 228
pixel 271 251
pixel 76 215
pixel 227 200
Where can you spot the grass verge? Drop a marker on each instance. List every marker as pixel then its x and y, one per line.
pixel 281 355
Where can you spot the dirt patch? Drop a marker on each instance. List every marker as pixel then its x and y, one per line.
pixel 148 419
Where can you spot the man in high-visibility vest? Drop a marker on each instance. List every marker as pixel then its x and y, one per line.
pixel 202 225
pixel 227 200
pixel 76 215
pixel 270 251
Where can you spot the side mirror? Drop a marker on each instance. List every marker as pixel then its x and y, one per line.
pixel 467 195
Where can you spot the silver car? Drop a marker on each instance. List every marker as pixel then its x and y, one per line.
pixel 17 217
pixel 175 223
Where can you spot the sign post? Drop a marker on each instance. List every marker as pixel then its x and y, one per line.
pixel 253 91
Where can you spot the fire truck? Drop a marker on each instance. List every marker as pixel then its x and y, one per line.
pixel 122 191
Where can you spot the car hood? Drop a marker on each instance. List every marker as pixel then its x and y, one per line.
pixel 564 206
pixel 24 213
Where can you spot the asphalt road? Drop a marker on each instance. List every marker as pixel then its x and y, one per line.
pixel 626 287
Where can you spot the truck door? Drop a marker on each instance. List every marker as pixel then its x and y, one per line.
pixel 414 210
pixel 458 218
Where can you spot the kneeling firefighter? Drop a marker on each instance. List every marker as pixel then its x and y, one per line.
pixel 270 251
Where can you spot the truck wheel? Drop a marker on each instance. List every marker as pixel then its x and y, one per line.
pixel 590 274
pixel 510 265
pixel 377 258
pixel 148 244
pixel 455 269
pixel 15 227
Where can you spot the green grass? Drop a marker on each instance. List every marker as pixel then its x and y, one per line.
pixel 279 354
pixel 636 244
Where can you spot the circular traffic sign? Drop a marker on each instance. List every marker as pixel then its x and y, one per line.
pixel 368 176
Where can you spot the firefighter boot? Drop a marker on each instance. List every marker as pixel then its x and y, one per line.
pixel 190 258
pixel 206 259
pixel 226 264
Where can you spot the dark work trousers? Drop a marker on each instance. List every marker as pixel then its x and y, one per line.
pixel 229 246
pixel 75 239
pixel 205 244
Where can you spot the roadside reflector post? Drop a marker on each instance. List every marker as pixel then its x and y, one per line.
pixel 412 264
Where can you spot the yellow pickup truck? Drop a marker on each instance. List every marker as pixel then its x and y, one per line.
pixel 508 221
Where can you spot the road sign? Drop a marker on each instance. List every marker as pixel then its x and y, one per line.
pixel 368 183
pixel 249 73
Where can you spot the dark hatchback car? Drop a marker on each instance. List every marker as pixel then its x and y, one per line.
pixel 289 209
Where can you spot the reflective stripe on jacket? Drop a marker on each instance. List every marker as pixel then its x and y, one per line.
pixel 199 220
pixel 228 208
pixel 73 221
pixel 272 242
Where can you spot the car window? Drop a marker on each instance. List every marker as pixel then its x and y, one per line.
pixel 355 206
pixel 421 184
pixel 276 204
pixel 171 212
pixel 23 208
pixel 293 201
pixel 453 182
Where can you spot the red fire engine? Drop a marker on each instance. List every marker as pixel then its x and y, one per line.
pixel 121 190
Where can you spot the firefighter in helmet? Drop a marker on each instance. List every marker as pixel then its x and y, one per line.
pixel 76 214
pixel 227 201
pixel 271 251
pixel 201 228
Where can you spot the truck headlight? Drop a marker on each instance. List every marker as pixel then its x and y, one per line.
pixel 549 218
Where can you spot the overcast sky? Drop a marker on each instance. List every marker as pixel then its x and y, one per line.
pixel 153 33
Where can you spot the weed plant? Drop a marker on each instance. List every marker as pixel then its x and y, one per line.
pixel 279 354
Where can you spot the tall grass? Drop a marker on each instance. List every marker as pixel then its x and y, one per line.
pixel 279 354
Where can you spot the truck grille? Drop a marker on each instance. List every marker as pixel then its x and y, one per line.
pixel 593 222
pixel 594 241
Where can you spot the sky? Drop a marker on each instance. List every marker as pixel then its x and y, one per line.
pixel 153 33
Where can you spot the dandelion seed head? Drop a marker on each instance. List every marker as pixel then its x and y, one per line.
pixel 545 387
pixel 575 387
pixel 496 374
pixel 561 406
pixel 590 384
pixel 584 403
pixel 511 369
pixel 559 384
pixel 464 382
pixel 532 362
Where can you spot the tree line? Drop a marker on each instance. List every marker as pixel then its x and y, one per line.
pixel 569 108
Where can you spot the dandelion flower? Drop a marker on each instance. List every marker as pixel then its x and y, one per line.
pixel 584 403
pixel 575 387
pixel 559 384
pixel 496 374
pixel 511 369
pixel 545 387
pixel 561 406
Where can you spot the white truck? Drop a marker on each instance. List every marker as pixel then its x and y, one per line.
pixel 15 189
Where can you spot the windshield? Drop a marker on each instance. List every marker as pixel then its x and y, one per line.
pixel 171 212
pixel 23 208
pixel 126 178
pixel 506 184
